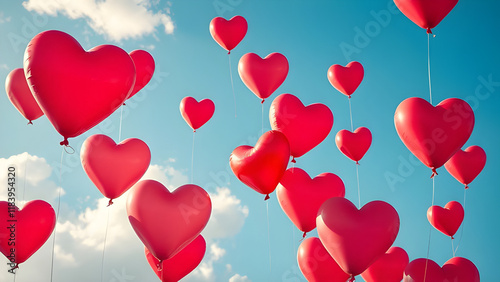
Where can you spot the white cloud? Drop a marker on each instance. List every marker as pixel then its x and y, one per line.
pixel 4 66
pixel 166 175
pixel 116 19
pixel 239 278
pixel 3 18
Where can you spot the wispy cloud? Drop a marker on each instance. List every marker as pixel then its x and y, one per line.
pixel 3 18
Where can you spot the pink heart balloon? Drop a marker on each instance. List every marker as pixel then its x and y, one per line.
pixel 343 230
pixel 20 95
pixel 144 69
pixel 423 270
pixel 387 268
pixel 447 219
pixel 466 165
pixel 261 167
pixel 76 89
pixel 196 113
pixel 114 168
pixel 304 126
pixel 167 222
pixel 300 197
pixel 228 33
pixel 426 13
pixel 316 264
pixel 346 79
pixel 354 144
pixel 458 269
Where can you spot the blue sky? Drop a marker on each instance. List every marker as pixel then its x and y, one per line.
pixel 313 35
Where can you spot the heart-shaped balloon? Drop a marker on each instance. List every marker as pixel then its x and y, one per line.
pixel 27 229
pixel 354 144
pixel 300 196
pixel 424 270
pixel 466 165
pixel 316 264
pixel 346 79
pixel 114 168
pixel 263 76
pixel 304 126
pixel 434 134
pixel 458 269
pixel 76 89
pixel 261 167
pixel 167 222
pixel 356 238
pixel 388 268
pixel 20 96
pixel 447 219
pixel 144 69
pixel 196 113
pixel 180 265
pixel 228 33
pixel 426 13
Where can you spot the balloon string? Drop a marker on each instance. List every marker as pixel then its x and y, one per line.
pixel 359 194
pixel 104 246
pixel 268 235
pixel 25 177
pixel 463 226
pixel 430 232
pixel 429 66
pixel 120 128
pixel 350 114
pixel 192 159
pixel 232 84
pixel 262 131
pixel 57 217
pixel 452 248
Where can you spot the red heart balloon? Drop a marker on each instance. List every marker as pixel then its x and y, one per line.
pixel 196 113
pixel 261 167
pixel 354 144
pixel 458 269
pixel 447 219
pixel 300 196
pixel 29 228
pixel 263 76
pixel 434 134
pixel 423 270
pixel 346 79
pixel 343 230
pixel 114 168
pixel 20 95
pixel 387 268
pixel 304 127
pixel 426 13
pixel 228 33
pixel 466 165
pixel 316 264
pixel 144 69
pixel 180 265
pixel 76 89
pixel 167 222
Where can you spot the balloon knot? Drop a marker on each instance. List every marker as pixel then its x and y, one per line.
pixel 124 104
pixel 194 130
pixel 30 122
pixel 357 162
pixel 429 30
pixel 229 52
pixel 110 202
pixel 293 160
pixel 262 102
pixel 65 142
pixel 267 197
pixel 466 186
pixel 452 237
pixel 434 173
pixel 349 96
pixel 304 235
pixel 352 279
pixel 159 266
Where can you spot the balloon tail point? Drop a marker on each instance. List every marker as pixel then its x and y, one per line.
pixel 65 142
pixel 229 52
pixel 124 104
pixel 452 238
pixel 30 122
pixel 429 30
pixel 434 173
pixel 352 279
pixel 159 266
pixel 293 160
pixel 194 130
pixel 304 235
pixel 262 102
pixel 466 186
pixel 110 202
pixel 357 162
pixel 267 197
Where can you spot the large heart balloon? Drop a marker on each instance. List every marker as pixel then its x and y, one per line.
pixel 263 76
pixel 114 168
pixel 31 227
pixel 346 79
pixel 304 126
pixel 426 13
pixel 144 69
pixel 76 89
pixel 388 268
pixel 180 265
pixel 300 196
pixel 354 144
pixel 261 167
pixel 424 270
pixel 196 113
pixel 316 264
pixel 466 165
pixel 167 222
pixel 434 134
pixel 447 219
pixel 356 238
pixel 458 269
pixel 20 96
pixel 228 33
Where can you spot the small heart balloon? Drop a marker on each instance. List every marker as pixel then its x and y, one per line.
pixel 304 126
pixel 388 268
pixel 447 219
pixel 343 230
pixel 354 144
pixel 20 96
pixel 31 227
pixel 426 13
pixel 458 269
pixel 316 264
pixel 167 222
pixel 466 165
pixel 261 167
pixel 228 33
pixel 180 265
pixel 423 270
pixel 144 69
pixel 434 134
pixel 263 76
pixel 346 79
pixel 300 196
pixel 114 168
pixel 196 113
